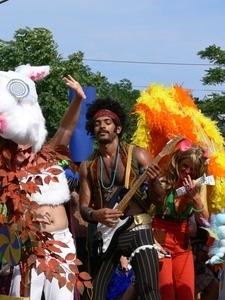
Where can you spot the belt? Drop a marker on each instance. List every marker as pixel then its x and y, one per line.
pixel 141 219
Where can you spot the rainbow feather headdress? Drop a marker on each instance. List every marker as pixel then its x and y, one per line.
pixel 165 111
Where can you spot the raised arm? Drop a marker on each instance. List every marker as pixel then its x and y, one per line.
pixel 69 120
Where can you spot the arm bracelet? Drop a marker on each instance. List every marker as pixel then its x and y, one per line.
pixel 199 210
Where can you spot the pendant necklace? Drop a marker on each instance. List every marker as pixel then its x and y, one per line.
pixel 112 178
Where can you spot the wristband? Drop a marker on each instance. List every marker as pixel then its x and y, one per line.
pixel 199 210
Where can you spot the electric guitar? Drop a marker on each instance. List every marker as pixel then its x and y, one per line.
pixel 108 235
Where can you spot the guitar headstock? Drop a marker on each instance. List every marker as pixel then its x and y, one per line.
pixel 168 149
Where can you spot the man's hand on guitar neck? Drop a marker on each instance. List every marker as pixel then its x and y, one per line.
pixel 107 216
pixel 153 172
pixel 155 191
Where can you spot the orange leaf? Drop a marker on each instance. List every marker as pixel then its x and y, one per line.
pixel 33 188
pixel 78 262
pixel 24 199
pixel 33 205
pixel 88 284
pixel 73 268
pixel 85 276
pixel 49 275
pixel 38 180
pixel 4 181
pixel 61 282
pixel 40 251
pixel 72 278
pixel 34 170
pixel 55 179
pixel 11 176
pixel 70 256
pixel 41 260
pixel 60 259
pixel 47 179
pixel 3 173
pixel 21 174
pixel 59 243
pixel 55 171
pixel 24 185
pixel 54 249
pixel 12 187
pixel 53 264
pixel 70 286
pixel 17 204
pixel 80 287
pixel 61 270
pixel 41 268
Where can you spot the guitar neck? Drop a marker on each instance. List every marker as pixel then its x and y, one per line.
pixel 124 202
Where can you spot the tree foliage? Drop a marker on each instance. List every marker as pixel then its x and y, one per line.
pixel 37 47
pixel 214 105
pixel 216 56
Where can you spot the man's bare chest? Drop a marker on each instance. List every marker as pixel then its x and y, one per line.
pixel 111 172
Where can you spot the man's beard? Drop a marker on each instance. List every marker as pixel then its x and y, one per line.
pixel 105 140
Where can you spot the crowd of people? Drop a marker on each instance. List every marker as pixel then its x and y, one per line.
pixel 127 215
pixel 173 273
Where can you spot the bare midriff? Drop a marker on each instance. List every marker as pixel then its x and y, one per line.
pixel 52 218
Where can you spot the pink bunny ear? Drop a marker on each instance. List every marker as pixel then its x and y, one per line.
pixel 185 145
pixel 34 73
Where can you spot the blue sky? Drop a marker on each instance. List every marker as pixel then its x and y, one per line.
pixel 152 32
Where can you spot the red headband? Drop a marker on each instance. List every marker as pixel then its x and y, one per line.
pixel 107 113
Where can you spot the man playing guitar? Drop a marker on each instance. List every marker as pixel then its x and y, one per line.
pixel 101 177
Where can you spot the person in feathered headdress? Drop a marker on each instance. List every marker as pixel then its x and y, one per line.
pixel 165 111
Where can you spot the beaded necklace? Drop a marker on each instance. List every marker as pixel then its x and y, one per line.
pixel 113 175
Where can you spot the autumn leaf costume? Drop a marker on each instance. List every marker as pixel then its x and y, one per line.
pixel 31 178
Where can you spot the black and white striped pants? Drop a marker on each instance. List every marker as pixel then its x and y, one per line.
pixel 144 263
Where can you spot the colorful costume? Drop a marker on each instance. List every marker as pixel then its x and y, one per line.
pixel 166 111
pixel 30 178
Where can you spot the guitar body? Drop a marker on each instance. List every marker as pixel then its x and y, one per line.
pixel 98 233
pixel 109 235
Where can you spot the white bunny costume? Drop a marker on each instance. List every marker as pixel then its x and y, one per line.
pixel 34 177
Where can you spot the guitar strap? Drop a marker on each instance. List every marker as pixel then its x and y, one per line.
pixel 119 192
pixel 128 166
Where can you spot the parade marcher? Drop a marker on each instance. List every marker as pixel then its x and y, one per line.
pixel 102 177
pixel 171 222
pixel 30 151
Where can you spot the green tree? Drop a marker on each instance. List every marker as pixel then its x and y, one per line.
pixel 37 47
pixel 214 105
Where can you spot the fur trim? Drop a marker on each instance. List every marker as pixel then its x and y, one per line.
pixel 55 192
